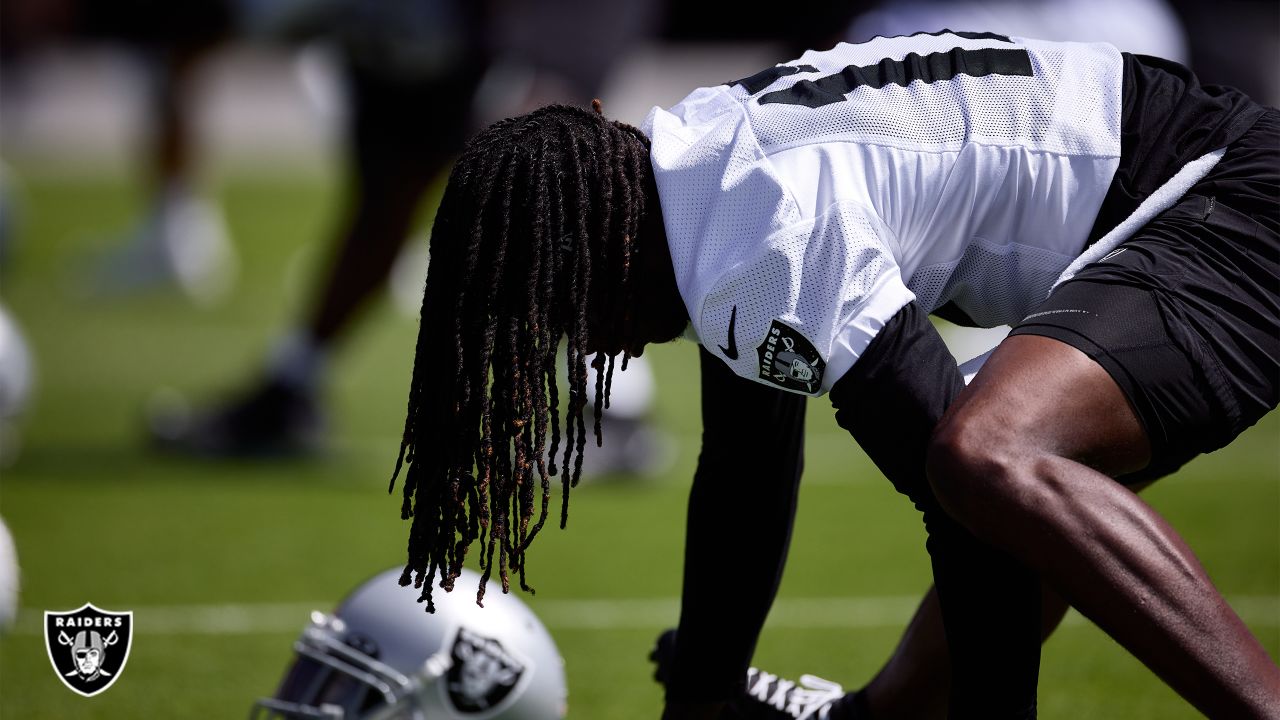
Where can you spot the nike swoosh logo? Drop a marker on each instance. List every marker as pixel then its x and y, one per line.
pixel 731 352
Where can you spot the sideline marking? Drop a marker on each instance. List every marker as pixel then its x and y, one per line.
pixel 586 614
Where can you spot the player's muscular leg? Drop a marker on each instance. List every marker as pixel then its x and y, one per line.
pixel 914 683
pixel 1024 459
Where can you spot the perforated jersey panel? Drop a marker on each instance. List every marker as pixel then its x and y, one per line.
pixel 817 277
pixel 993 284
pixel 720 196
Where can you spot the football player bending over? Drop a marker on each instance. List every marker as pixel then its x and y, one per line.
pixel 803 223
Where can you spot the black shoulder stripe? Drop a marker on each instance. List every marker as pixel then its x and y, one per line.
pixel 766 77
pixel 978 35
pixel 931 68
pixel 966 34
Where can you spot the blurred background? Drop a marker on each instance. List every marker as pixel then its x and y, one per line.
pixel 213 227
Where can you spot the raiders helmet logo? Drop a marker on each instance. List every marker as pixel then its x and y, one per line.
pixel 482 675
pixel 88 647
pixel 790 361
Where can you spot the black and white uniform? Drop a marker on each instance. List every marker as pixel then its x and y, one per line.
pixel 819 210
pixel 821 196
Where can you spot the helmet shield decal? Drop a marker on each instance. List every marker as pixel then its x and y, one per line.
pixel 482 674
pixel 88 647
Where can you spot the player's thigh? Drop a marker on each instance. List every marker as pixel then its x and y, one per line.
pixel 1038 395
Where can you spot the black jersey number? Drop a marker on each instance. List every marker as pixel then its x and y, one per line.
pixel 931 68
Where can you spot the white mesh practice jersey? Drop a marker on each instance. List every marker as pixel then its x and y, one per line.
pixel 805 205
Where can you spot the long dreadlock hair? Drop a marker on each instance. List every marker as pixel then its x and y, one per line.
pixel 538 221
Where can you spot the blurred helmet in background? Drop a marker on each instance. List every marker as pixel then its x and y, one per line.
pixel 8 578
pixel 17 382
pixel 17 376
pixel 379 655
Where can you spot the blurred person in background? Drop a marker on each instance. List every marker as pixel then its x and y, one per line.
pixel 419 76
pixel 410 71
pixel 181 238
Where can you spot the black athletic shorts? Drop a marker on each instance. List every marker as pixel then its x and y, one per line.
pixel 1185 316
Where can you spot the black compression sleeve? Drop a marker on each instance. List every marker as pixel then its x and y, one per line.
pixel 890 401
pixel 895 394
pixel 741 509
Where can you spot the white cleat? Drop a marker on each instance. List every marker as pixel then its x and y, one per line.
pixel 184 242
pixel 769 696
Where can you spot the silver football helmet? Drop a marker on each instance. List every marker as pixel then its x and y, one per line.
pixel 380 656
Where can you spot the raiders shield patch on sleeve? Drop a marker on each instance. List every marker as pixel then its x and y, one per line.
pixel 789 360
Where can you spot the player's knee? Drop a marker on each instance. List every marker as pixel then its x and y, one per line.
pixel 973 468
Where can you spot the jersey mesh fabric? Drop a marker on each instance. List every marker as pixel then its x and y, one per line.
pixel 829 278
pixel 968 282
pixel 924 181
pixel 1069 105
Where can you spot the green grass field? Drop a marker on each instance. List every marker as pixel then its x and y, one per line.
pixel 220 561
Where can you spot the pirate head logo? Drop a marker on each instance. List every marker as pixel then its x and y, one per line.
pixel 482 676
pixel 88 647
pixel 790 361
